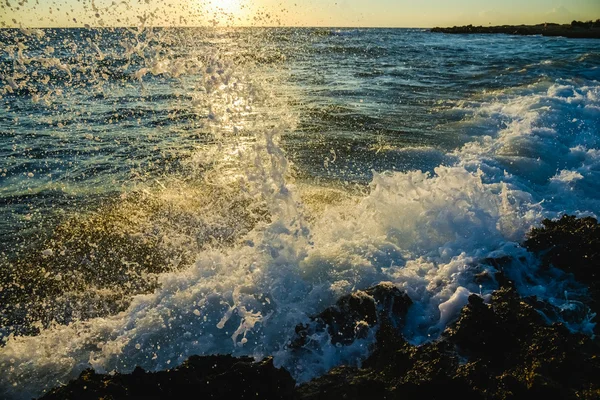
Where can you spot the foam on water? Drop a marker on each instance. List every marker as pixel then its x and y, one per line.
pixel 547 144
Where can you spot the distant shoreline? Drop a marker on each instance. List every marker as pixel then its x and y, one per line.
pixel 576 29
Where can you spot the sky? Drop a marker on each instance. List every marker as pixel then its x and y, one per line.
pixel 332 13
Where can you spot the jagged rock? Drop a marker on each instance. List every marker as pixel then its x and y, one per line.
pixel 509 337
pixel 498 351
pixel 573 245
pixel 209 377
pixel 354 314
pixel 570 244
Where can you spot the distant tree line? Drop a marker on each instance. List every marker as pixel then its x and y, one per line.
pixel 588 24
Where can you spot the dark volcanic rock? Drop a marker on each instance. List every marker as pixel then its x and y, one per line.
pixel 499 351
pixel 354 314
pixel 570 244
pixel 573 245
pixel 574 30
pixel 209 377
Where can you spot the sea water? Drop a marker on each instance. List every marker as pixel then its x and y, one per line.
pixel 172 192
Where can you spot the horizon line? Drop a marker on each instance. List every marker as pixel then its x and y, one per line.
pixel 220 27
pixel 270 26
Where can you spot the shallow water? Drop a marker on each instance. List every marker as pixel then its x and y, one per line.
pixel 171 192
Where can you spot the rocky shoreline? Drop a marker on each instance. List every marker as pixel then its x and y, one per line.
pixel 575 30
pixel 502 350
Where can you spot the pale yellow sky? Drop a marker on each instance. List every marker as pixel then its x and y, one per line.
pixel 392 13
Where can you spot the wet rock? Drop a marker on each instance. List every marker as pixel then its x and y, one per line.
pixel 499 264
pixel 208 377
pixel 353 315
pixel 493 351
pixel 510 338
pixel 573 245
pixel 345 383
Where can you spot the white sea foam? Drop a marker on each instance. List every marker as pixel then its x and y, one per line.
pixel 424 232
pixel 547 144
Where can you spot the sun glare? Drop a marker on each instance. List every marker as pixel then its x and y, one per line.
pixel 228 12
pixel 230 6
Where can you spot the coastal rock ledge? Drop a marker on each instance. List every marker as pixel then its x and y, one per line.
pixel 574 30
pixel 502 350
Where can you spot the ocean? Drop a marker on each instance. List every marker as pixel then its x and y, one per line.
pixel 168 192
